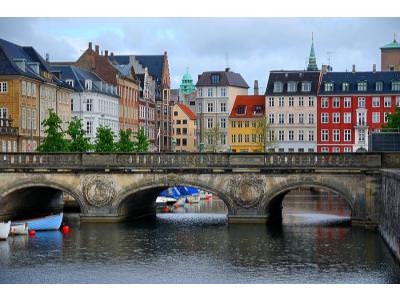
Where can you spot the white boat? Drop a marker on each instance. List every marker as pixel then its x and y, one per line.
pixel 19 229
pixel 165 200
pixel 4 230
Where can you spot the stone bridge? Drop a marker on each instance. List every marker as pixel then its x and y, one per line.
pixel 111 187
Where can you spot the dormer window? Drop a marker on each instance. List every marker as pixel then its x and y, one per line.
pixel 306 86
pixel 21 63
pixel 258 109
pixel 396 86
pixel 292 86
pixel 70 82
pixel 328 86
pixel 34 66
pixel 345 86
pixel 241 110
pixel 88 84
pixel 379 86
pixel 278 87
pixel 215 79
pixel 362 86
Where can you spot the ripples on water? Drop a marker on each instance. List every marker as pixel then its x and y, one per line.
pixel 202 248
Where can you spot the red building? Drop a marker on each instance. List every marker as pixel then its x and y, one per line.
pixel 353 104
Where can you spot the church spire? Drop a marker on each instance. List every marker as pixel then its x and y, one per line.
pixel 312 61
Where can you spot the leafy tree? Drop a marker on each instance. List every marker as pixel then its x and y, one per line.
pixel 141 143
pixel 54 140
pixel 262 131
pixel 393 121
pixel 104 140
pixel 214 136
pixel 125 143
pixel 79 142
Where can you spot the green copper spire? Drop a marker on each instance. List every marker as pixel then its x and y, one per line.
pixel 312 61
pixel 187 87
pixel 392 45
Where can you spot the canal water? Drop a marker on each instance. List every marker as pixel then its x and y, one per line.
pixel 195 244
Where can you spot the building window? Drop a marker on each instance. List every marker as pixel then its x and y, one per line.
pixel 301 118
pixel 347 149
pixel 271 118
pixel 184 131
pixel 246 124
pixel 281 101
pixel 222 123
pixel 324 118
pixel 223 139
pixel 178 122
pixel 311 101
pixel 271 102
pixel 281 135
pixel 362 86
pixel 223 107
pixel 223 92
pixel 210 123
pixel 379 86
pixel 178 131
pixel 89 127
pixel 209 92
pixel 184 142
pixel 300 150
pixel 310 118
pixel 89 104
pixel 324 102
pixel 385 116
pixel 281 118
pixel 361 102
pixel 301 101
pixel 311 135
pixel 271 135
pixel 292 86
pixel 240 139
pixel 306 86
pixel 398 101
pixel 278 87
pixel 210 107
pixel 233 124
pixel 336 102
pixel 376 102
pixel 233 138
pixel 336 149
pixel 253 138
pixel 240 124
pixel 396 86
pixel 345 87
pixel 88 84
pixel 214 78
pixel 347 135
pixel 23 87
pixel 241 109
pixel 376 117
pixel 291 101
pixel 200 90
pixel 254 124
pixel 347 102
pixel 291 118
pixel 325 149
pixel 246 138
pixel 291 135
pixel 324 135
pixel 301 135
pixel 328 87
pixel 388 102
pixel 347 118
pixel 336 117
pixel 336 135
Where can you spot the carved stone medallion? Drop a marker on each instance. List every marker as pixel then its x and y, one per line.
pixel 98 190
pixel 247 190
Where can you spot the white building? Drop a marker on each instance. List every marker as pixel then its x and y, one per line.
pixel 94 101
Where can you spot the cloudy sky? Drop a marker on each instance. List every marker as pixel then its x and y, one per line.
pixel 250 46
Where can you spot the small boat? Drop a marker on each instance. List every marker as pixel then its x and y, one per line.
pixel 19 229
pixel 52 222
pixel 4 230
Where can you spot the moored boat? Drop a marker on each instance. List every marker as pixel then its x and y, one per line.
pixel 52 222
pixel 19 229
pixel 4 230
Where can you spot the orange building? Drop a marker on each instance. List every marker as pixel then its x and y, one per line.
pixel 184 128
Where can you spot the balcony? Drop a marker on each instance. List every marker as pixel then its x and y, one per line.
pixel 361 124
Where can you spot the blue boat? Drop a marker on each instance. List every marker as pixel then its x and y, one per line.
pixel 52 222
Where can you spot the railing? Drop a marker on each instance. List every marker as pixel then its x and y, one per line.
pixel 199 161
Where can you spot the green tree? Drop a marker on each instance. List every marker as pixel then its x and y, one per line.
pixel 79 142
pixel 262 134
pixel 104 140
pixel 54 140
pixel 213 135
pixel 141 143
pixel 393 121
pixel 125 143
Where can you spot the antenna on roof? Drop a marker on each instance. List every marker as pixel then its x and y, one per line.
pixel 47 57
pixel 329 54
pixel 226 60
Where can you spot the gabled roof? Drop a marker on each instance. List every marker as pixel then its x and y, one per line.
pixel 249 102
pixel 154 64
pixel 284 76
pixel 227 78
pixel 337 78
pixel 187 111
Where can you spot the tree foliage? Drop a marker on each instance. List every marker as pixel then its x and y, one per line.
pixel 54 140
pixel 393 121
pixel 262 131
pixel 125 143
pixel 104 140
pixel 79 141
pixel 142 143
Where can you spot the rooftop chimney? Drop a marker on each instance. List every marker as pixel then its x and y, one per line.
pixel 354 69
pixel 106 53
pixel 47 57
pixel 90 45
pixel 227 69
pixel 255 87
pixel 112 54
pixel 374 68
pixel 97 49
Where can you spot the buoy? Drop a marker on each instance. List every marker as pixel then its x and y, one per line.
pixel 32 232
pixel 65 229
pixel 166 209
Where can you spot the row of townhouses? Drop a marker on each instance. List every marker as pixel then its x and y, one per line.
pixel 100 88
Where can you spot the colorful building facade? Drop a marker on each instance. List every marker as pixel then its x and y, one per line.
pixel 247 124
pixel 390 56
pixel 184 128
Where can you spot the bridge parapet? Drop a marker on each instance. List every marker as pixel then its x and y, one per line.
pixel 199 161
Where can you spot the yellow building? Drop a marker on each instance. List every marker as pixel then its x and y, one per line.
pixel 247 126
pixel 184 128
